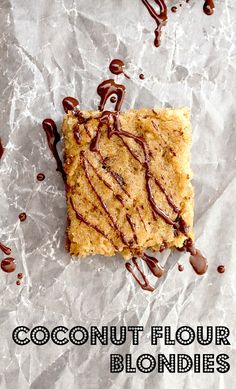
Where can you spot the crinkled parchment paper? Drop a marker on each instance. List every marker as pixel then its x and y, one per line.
pixel 51 49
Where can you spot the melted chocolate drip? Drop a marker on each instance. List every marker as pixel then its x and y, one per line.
pixel 209 7
pixel 221 269
pixel 117 67
pixel 1 149
pixel 153 264
pixel 145 284
pixel 53 137
pixel 104 206
pixel 40 177
pixel 198 262
pixel 22 216
pixel 108 88
pixel 160 18
pixel 6 250
pixel 69 103
pixel 8 265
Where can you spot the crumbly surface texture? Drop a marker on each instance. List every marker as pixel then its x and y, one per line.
pixel 108 207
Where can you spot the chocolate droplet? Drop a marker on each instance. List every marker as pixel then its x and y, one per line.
pixel 180 267
pixel 221 269
pixel 40 177
pixel 8 265
pixel 22 216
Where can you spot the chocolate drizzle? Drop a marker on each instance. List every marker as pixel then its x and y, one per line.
pixel 104 206
pixel 160 18
pixel 77 134
pixel 69 103
pixel 1 149
pixel 145 284
pixel 8 265
pixel 153 264
pixel 132 226
pixel 6 250
pixel 89 224
pixel 209 7
pixel 117 67
pixel 53 137
pixel 108 88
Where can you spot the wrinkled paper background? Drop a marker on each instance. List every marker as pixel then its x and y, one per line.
pixel 53 49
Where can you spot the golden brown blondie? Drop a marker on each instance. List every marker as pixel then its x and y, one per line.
pixel 128 181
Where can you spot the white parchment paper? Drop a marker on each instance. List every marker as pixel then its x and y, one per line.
pixel 52 49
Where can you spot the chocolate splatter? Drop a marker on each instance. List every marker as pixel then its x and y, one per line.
pixel 141 76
